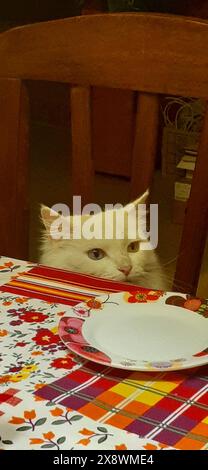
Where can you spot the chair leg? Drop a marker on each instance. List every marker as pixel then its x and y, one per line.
pixel 196 222
pixel 145 143
pixel 82 165
pixel 14 200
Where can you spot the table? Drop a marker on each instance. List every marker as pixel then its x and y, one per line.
pixel 50 399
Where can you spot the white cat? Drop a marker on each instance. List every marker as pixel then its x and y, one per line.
pixel 117 259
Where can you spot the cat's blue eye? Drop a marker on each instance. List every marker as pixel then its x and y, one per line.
pixel 96 254
pixel 133 247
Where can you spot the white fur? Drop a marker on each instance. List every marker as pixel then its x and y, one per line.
pixel 72 255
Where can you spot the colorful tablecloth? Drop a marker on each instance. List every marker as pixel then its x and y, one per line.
pixel 50 399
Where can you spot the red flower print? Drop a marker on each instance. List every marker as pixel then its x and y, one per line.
pixel 45 337
pixel 134 298
pixel 142 296
pixel 90 352
pixel 9 264
pixel 84 312
pixel 21 344
pixel 15 322
pixel 62 363
pixel 31 317
pixel 15 369
pixel 70 329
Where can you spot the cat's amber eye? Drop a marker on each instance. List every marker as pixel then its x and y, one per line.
pixel 133 247
pixel 96 254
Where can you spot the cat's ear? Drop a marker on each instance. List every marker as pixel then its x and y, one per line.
pixel 48 216
pixel 140 200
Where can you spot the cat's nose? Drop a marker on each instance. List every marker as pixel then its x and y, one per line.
pixel 125 270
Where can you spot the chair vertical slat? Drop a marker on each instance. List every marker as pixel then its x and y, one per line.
pixel 14 206
pixel 145 143
pixel 82 166
pixel 196 222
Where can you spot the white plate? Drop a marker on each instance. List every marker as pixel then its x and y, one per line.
pixel 143 330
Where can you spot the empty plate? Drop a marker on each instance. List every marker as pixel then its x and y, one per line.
pixel 141 330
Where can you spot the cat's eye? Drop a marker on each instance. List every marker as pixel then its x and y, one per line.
pixel 96 254
pixel 133 247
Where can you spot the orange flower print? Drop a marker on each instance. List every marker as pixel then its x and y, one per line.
pixel 3 332
pixel 30 414
pixel 49 435
pixel 21 300
pixel 49 439
pixel 36 441
pixel 9 264
pixel 121 447
pixel 5 379
pixel 36 353
pixel 7 303
pixel 86 432
pixel 39 398
pixel 150 447
pixel 84 442
pixel 56 412
pixel 16 420
pixel 96 304
pixel 101 434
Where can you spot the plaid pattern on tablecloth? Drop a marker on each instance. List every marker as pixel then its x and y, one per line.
pixel 170 407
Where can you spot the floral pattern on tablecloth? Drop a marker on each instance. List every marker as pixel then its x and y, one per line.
pixel 34 363
pixel 32 355
pixel 10 268
pixel 34 425
pixel 33 351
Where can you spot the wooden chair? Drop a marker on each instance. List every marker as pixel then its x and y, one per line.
pixel 148 53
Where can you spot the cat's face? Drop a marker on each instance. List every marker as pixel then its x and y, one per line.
pixel 120 260
pixel 116 259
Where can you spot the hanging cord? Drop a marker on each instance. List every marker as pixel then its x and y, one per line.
pixel 183 114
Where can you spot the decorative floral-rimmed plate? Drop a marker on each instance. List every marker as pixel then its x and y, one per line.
pixel 141 330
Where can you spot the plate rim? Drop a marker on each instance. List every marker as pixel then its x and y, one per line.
pixel 198 361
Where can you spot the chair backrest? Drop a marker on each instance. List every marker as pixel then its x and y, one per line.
pixel 149 53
